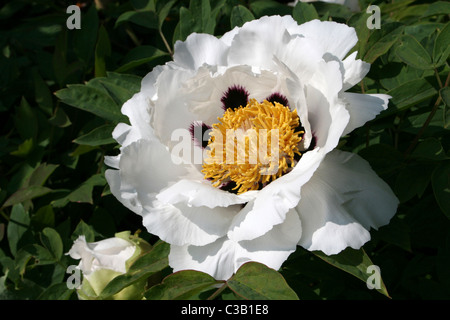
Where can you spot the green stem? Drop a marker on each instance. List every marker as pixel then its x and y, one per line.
pixel 218 291
pixel 430 117
pixel 165 42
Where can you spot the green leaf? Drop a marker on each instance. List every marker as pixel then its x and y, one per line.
pixel 57 291
pixel 146 19
pixel 120 87
pixel 92 100
pixel 26 194
pixel 164 11
pixel 60 118
pixel 407 95
pixel 268 7
pixel 240 15
pixel 437 8
pixel 182 285
pixel 430 149
pixel 412 181
pixel 304 12
pixel 99 136
pixel 83 193
pixel 26 121
pixel 441 50
pixel 24 149
pixel 355 262
pixel 42 93
pixel 145 266
pixel 380 41
pixel 143 4
pixel 52 241
pixel 413 53
pixel 85 39
pixel 441 187
pixel 18 226
pixel 102 50
pixel 139 56
pixel 42 255
pixel 255 281
pixel 40 175
pixel 83 229
pixel 44 217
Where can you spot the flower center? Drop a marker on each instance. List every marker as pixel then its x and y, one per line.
pixel 253 145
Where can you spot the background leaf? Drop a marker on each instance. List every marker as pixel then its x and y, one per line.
pixel 255 281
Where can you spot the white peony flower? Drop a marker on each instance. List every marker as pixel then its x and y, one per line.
pixel 269 78
pixel 102 261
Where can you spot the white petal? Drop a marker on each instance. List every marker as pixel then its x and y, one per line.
pixel 138 110
pixel 342 200
pixel 274 201
pixel 332 37
pixel 224 257
pixel 147 167
pixel 355 70
pixel 202 193
pixel 111 253
pixel 199 49
pixel 258 41
pixel 113 178
pixel 216 259
pixel 181 224
pixel 327 116
pixel 273 248
pixel 363 108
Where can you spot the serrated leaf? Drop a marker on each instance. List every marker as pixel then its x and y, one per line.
pixel 150 263
pixel 182 285
pixel 240 15
pixel 413 53
pixel 255 281
pixel 97 137
pixel 354 262
pixel 441 187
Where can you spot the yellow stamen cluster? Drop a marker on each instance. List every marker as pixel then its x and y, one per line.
pixel 252 145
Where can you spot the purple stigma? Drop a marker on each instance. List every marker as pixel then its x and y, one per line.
pixel 198 131
pixel 278 97
pixel 234 97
